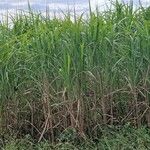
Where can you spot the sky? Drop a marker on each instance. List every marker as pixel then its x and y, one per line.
pixel 56 5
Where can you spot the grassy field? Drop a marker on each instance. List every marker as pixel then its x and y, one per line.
pixel 76 75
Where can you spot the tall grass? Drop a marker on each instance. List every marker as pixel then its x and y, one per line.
pixel 82 74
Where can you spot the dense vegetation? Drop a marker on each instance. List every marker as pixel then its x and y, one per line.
pixel 126 138
pixel 76 74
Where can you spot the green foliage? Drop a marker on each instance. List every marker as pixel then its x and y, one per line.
pixel 69 135
pixel 147 13
pixel 125 138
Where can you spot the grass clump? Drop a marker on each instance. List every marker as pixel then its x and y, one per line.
pixel 81 75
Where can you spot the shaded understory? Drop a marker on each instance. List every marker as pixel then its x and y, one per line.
pixel 127 138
